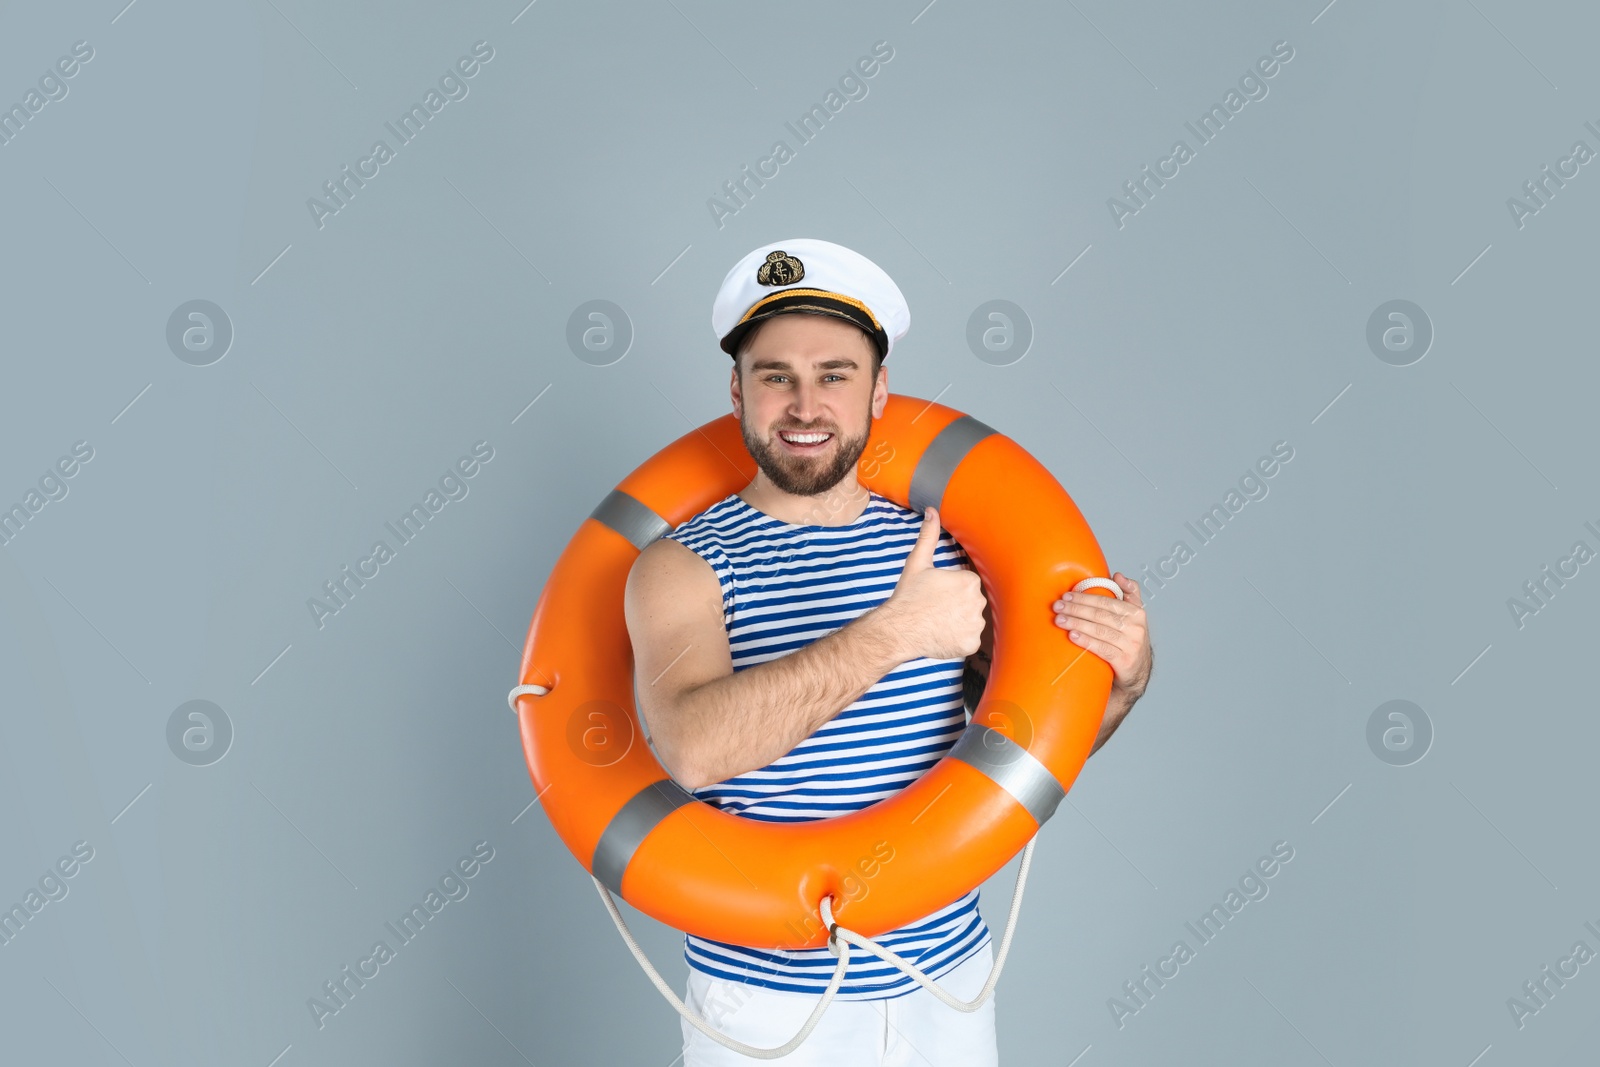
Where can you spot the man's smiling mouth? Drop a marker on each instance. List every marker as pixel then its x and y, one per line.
pixel 804 442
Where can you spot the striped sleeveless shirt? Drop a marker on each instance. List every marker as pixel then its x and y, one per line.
pixel 783 587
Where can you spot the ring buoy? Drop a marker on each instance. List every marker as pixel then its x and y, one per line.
pixel 717 875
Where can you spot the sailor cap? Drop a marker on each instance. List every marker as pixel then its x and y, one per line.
pixel 817 277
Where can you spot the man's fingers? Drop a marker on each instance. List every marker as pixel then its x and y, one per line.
pixel 1104 649
pixel 1101 608
pixel 1091 628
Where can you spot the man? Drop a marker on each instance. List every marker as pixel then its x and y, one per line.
pixel 800 648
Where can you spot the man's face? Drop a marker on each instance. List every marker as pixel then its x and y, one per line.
pixel 807 373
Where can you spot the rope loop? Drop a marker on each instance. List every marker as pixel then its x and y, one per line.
pixel 836 934
pixel 1099 583
pixel 536 690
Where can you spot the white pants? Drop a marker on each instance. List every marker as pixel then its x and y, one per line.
pixel 914 1030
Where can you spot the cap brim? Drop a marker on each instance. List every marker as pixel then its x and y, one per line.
pixel 812 302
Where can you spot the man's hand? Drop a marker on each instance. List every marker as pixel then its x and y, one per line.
pixel 1116 631
pixel 938 611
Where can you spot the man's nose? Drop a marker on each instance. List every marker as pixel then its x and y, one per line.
pixel 805 402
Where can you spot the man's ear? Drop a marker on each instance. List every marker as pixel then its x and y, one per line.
pixel 734 392
pixel 880 392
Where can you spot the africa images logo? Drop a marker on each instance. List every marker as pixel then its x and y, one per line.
pixel 1252 85
pixel 341 589
pixel 454 885
pixel 740 190
pixel 342 189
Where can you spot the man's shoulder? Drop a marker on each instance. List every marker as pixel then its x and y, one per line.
pixel 676 565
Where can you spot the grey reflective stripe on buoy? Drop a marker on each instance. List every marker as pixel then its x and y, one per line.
pixel 1012 768
pixel 941 458
pixel 630 518
pixel 629 827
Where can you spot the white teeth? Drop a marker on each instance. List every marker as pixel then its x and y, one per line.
pixel 805 438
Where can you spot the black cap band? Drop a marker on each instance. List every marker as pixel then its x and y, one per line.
pixel 812 301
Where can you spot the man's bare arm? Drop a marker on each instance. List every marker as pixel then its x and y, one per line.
pixel 710 723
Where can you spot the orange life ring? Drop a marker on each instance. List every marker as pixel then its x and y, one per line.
pixel 717 875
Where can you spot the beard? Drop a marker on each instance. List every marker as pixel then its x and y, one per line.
pixel 805 475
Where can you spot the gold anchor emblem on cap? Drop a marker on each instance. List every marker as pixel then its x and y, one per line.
pixel 780 269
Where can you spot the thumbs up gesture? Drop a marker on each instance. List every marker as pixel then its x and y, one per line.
pixel 938 610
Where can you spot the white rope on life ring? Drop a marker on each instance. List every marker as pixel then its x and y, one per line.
pixel 1099 583
pixel 536 690
pixel 837 933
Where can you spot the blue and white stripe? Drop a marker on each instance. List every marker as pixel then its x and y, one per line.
pixel 783 587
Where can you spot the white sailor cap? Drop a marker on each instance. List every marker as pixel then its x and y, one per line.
pixel 807 275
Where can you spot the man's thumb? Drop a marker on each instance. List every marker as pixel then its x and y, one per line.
pixel 921 556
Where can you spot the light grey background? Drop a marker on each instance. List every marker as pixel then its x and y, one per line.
pixel 1228 314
